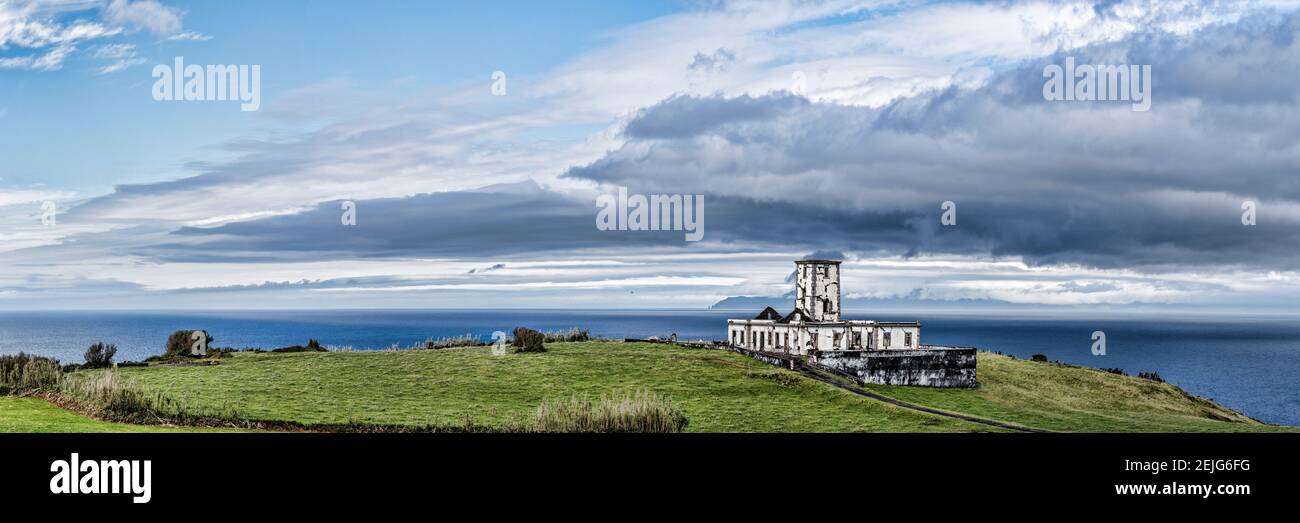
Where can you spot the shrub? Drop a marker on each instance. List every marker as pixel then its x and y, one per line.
pixel 574 334
pixel 312 346
pixel 24 374
pixel 528 340
pixel 1153 376
pixel 100 355
pixel 466 340
pixel 1116 370
pixel 1039 357
pixel 104 394
pixel 179 343
pixel 642 412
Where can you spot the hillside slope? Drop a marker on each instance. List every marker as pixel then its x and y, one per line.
pixel 19 415
pixel 720 391
pixel 1070 398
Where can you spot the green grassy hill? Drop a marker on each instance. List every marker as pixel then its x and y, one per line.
pixel 19 415
pixel 719 391
pixel 1078 399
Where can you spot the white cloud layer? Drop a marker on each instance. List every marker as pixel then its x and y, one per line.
pixel 41 35
pixel 855 59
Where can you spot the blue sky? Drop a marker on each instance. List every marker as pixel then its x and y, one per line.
pixel 88 131
pixel 901 105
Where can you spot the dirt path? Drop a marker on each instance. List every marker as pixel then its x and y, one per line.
pixel 816 374
pixel 912 406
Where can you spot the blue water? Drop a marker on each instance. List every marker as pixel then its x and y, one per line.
pixel 1249 364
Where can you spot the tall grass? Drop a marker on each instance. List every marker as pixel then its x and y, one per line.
pixel 101 394
pixel 641 412
pixel 26 374
pixel 574 334
pixel 466 340
pixel 104 394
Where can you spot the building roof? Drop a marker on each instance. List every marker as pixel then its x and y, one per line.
pixel 832 262
pixel 790 317
pixel 768 314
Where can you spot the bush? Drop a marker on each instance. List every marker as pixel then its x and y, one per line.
pixel 179 343
pixel 25 374
pixel 22 373
pixel 104 395
pixel 643 412
pixel 574 334
pixel 1153 376
pixel 528 340
pixel 1116 370
pixel 466 340
pixel 100 356
pixel 1039 357
pixel 312 346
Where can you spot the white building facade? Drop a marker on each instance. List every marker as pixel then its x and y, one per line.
pixel 815 322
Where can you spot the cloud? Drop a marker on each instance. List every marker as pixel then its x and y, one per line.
pixel 188 36
pixel 908 105
pixel 1057 183
pixel 50 32
pixel 52 60
pixel 144 14
pixel 493 267
pixel 119 56
pixel 493 221
pixel 715 61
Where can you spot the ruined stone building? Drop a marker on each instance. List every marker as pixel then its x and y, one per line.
pixel 815 322
pixel 883 352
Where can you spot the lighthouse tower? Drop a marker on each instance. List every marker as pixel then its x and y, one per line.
pixel 817 289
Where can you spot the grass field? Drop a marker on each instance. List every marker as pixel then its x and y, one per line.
pixel 37 415
pixel 1068 398
pixel 719 391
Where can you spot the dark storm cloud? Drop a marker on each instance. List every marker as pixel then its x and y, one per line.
pixel 498 220
pixel 515 219
pixel 1056 182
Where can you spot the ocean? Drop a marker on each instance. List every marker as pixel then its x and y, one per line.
pixel 1251 364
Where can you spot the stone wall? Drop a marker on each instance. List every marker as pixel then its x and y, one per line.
pixel 929 367
pixel 780 360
